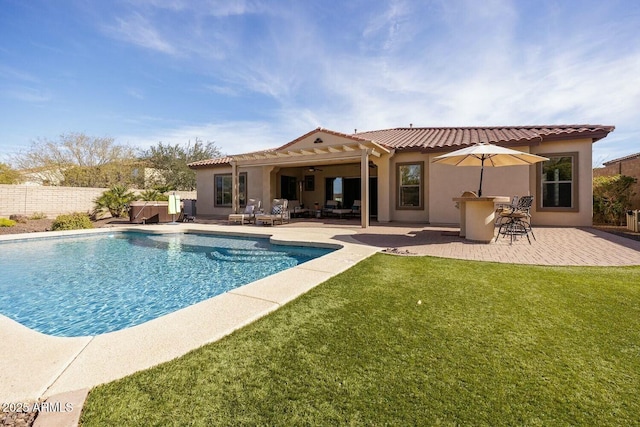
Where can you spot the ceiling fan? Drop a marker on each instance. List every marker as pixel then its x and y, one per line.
pixel 314 169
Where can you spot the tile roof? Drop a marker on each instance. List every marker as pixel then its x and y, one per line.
pixel 210 162
pixel 443 138
pixel 452 137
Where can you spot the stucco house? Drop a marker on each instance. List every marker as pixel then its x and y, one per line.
pixel 392 173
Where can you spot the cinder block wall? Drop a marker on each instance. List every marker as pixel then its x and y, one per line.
pixel 53 201
pixel 629 167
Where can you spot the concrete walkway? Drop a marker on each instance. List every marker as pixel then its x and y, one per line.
pixel 33 365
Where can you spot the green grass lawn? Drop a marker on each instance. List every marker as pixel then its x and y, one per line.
pixel 489 344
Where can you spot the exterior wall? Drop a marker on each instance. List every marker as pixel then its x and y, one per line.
pixel 584 215
pixel 53 201
pixel 257 176
pixel 408 215
pixel 205 184
pixel 628 167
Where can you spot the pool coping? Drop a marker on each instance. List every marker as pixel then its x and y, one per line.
pixel 37 366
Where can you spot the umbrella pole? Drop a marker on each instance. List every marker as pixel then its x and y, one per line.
pixel 481 172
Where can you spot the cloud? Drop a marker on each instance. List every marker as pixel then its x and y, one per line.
pixel 138 30
pixel 230 137
pixel 30 95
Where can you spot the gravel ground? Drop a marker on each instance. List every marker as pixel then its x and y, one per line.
pixel 37 225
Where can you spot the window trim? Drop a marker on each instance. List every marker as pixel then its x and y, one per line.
pixel 575 193
pixel 420 187
pixel 215 189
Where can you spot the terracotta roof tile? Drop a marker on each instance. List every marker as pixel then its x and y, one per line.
pixel 453 137
pixel 443 138
pixel 210 162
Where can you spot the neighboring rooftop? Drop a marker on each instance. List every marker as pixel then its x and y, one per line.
pixel 622 159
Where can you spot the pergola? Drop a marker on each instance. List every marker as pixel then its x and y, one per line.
pixel 351 151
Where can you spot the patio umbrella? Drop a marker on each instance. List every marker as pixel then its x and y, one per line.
pixel 485 154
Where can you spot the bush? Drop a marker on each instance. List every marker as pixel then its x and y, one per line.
pixel 116 200
pixel 5 222
pixel 611 198
pixel 74 221
pixel 153 195
pixel 38 215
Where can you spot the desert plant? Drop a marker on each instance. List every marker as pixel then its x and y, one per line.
pixel 5 222
pixel 152 195
pixel 116 200
pixel 72 221
pixel 38 215
pixel 611 198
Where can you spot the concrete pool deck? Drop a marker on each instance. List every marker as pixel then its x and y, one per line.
pixel 34 365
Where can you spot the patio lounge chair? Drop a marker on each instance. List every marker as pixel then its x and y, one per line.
pixel 355 209
pixel 279 213
pixel 296 210
pixel 516 221
pixel 249 213
pixel 329 207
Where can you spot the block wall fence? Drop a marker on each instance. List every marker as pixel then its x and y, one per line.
pixel 53 201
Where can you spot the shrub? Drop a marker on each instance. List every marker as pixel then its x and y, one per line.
pixel 38 215
pixel 116 200
pixel 5 222
pixel 72 221
pixel 611 198
pixel 153 195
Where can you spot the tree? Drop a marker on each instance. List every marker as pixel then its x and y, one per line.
pixel 170 163
pixel 611 198
pixel 9 175
pixel 79 160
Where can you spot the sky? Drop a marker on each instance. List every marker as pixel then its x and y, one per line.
pixel 250 75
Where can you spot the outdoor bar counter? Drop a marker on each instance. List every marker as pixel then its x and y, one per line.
pixel 477 215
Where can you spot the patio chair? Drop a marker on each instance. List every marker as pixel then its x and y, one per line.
pixel 329 207
pixel 296 210
pixel 279 213
pixel 517 220
pixel 505 207
pixel 249 213
pixel 355 209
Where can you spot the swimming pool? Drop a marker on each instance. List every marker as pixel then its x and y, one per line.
pixel 90 285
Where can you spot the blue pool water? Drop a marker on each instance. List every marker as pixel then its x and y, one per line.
pixel 90 285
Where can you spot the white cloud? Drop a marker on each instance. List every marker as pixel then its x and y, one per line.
pixel 28 94
pixel 138 30
pixel 229 137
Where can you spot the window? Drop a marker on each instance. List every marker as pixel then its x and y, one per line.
pixel 223 189
pixel 557 182
pixel 410 180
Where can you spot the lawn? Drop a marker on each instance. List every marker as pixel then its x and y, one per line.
pixel 411 341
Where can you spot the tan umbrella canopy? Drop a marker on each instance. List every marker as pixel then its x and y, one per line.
pixel 485 154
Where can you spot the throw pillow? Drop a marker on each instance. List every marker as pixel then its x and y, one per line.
pixel 276 210
pixel 249 209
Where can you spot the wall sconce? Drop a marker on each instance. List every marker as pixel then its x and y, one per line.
pixel 318 141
